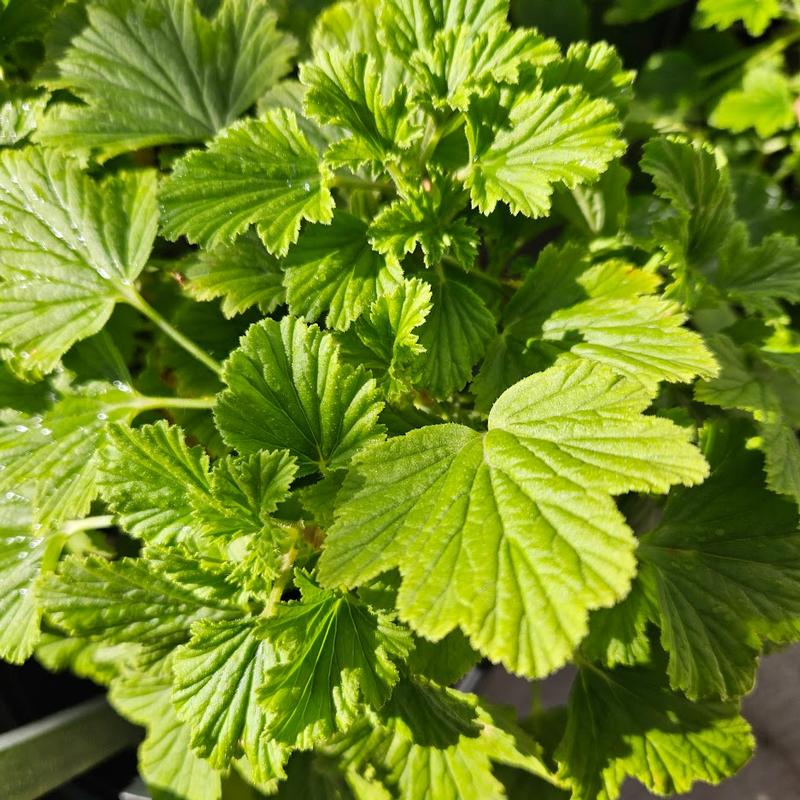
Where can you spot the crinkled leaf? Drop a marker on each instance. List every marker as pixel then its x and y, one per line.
pixel 333 272
pixel 217 677
pixel 20 110
pixel 243 274
pixel 455 336
pixel 755 14
pixel 148 476
pixel 641 729
pixel 261 172
pixel 194 75
pixel 335 656
pixel 288 389
pixel 69 249
pixel 558 136
pixel 538 498
pixel 428 217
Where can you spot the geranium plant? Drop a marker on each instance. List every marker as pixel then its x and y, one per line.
pixel 338 361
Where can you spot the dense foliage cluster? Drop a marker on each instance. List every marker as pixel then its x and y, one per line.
pixel 341 352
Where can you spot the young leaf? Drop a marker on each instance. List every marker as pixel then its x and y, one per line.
pixel 427 217
pixel 261 172
pixel 288 389
pixel 334 272
pixel 551 137
pixel 346 89
pixel 537 522
pixel 724 568
pixel 644 731
pixel 244 274
pixel 335 655
pixel 148 477
pixel 166 760
pixel 217 677
pixel 69 250
pixel 194 75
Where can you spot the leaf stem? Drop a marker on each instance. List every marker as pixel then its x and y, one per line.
pixel 356 182
pixel 282 581
pixel 153 403
pixel 141 305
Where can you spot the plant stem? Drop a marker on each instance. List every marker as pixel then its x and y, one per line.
pixel 141 305
pixel 87 524
pixel 281 582
pixel 355 182
pixel 153 403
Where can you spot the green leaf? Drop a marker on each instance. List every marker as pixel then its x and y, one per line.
pixel 69 250
pixel 194 75
pixel 559 136
pixel 641 336
pixel 759 276
pixel 57 452
pixel 642 730
pixel 217 678
pixel 687 176
pixel 755 14
pixel 524 511
pixel 245 492
pixel 21 555
pixel 148 477
pixel 455 336
pixel 167 763
pixel 386 340
pixel 261 172
pixel 427 217
pixel 723 566
pixel 24 20
pixel 625 11
pixel 335 656
pixel 597 68
pixel 346 89
pixel 334 272
pixel 288 389
pixel 20 109
pixel 243 274
pixel 463 62
pixel 148 601
pixel 764 102
pixel 411 25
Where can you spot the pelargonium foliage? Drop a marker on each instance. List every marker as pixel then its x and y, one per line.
pixel 343 353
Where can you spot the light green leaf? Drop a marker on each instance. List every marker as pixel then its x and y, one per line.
pixel 463 62
pixel 536 522
pixel 595 67
pixel 764 102
pixel 455 336
pixel 288 389
pixel 168 765
pixel 642 730
pixel 243 274
pixel 428 217
pixel 69 250
pixel 57 452
pixel 411 25
pixel 559 136
pixel 346 89
pixel 641 336
pixel 723 567
pixel 20 110
pixel 334 272
pixel 217 677
pixel 261 172
pixel 755 14
pixel 335 656
pixel 148 477
pixel 21 555
pixel 245 491
pixel 386 340
pixel 195 75
pixel 149 601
